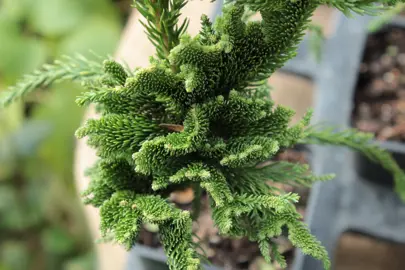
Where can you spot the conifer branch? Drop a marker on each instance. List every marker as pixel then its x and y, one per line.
pixel 124 213
pixel 361 7
pixel 363 143
pixel 377 23
pixel 76 68
pixel 284 26
pixel 289 173
pixel 316 39
pixel 162 17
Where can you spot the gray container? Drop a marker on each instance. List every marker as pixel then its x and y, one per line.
pixel 145 258
pixel 361 198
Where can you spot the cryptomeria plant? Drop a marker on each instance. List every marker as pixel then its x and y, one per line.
pixel 200 116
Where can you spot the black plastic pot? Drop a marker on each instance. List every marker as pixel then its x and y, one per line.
pixel 369 170
pixel 375 173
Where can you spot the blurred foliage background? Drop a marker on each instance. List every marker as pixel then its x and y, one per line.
pixel 41 223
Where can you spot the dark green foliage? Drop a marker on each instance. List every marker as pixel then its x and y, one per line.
pixel 225 132
pixel 200 116
pixel 118 133
pixel 161 23
pixel 116 72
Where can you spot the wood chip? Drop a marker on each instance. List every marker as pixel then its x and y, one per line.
pixel 214 239
pixel 172 127
pixel 283 244
pixel 372 126
pixel 391 132
pixel 182 196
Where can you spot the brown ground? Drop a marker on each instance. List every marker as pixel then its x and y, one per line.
pixel 359 252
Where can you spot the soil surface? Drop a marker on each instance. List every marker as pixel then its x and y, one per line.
pixel 380 93
pixel 232 254
pixel 358 251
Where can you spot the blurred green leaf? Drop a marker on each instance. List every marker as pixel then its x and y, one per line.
pixel 56 17
pixel 105 8
pixel 3 267
pixel 14 255
pixel 316 40
pixel 10 119
pixel 85 262
pixel 7 198
pixel 37 191
pixel 96 33
pixel 23 142
pixel 33 32
pixel 57 241
pixel 8 27
pixel 19 54
pixel 29 137
pixel 61 112
pixel 13 214
pixel 16 214
pixel 14 9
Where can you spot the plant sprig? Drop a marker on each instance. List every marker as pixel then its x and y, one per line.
pixel 162 17
pixel 363 143
pixel 77 68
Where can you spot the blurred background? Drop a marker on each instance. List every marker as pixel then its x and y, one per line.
pixel 41 220
pixel 42 225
